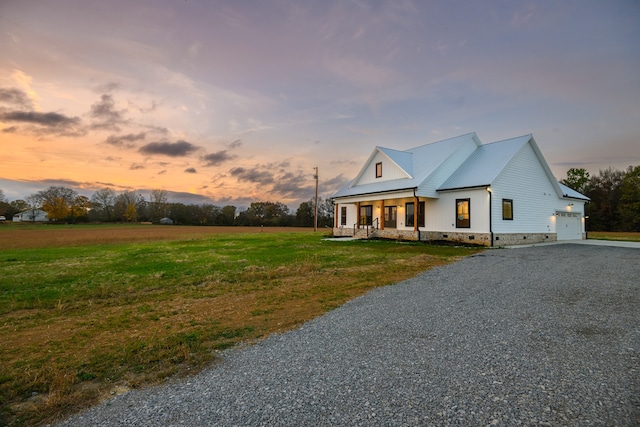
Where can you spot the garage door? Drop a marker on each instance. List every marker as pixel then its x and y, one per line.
pixel 568 226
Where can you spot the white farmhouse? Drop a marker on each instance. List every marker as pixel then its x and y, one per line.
pixel 31 215
pixel 459 189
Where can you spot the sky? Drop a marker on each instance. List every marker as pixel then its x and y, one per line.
pixel 233 102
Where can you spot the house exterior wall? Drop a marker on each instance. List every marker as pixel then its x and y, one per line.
pixel 440 218
pixel 390 171
pixel 441 213
pixel 534 197
pixel 535 202
pixel 31 216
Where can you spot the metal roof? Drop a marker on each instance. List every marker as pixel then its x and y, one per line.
pixel 570 192
pixel 480 169
pixel 403 159
pixel 419 163
pixel 485 164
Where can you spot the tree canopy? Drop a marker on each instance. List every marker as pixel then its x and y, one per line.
pixel 106 205
pixel 614 194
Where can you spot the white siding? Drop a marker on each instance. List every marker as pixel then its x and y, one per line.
pixel 390 171
pixel 352 216
pixel 441 213
pixel 535 200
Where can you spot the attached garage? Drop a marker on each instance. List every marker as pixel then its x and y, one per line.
pixel 568 226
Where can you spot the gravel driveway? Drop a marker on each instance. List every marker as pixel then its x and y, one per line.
pixel 533 336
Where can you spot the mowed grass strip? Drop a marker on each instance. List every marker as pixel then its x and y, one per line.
pixel 80 323
pixel 615 235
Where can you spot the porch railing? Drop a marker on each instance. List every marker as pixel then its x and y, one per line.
pixel 375 225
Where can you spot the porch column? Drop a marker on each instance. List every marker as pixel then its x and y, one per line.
pixel 415 213
pixel 335 216
pixel 358 214
pixel 381 215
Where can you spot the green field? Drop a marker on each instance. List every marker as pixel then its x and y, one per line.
pixel 613 235
pixel 81 322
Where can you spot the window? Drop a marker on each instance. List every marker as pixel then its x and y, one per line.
pixel 366 215
pixel 378 169
pixel 507 209
pixel 409 214
pixel 343 215
pixel 421 214
pixel 463 219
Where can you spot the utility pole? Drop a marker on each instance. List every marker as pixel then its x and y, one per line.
pixel 315 214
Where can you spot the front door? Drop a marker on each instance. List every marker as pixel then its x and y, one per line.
pixel 390 217
pixel 366 215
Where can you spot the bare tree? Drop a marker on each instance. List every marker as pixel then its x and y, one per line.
pixel 103 201
pixel 33 202
pixel 158 202
pixel 129 206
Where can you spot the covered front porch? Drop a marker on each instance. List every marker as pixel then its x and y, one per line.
pixel 416 218
pixel 394 218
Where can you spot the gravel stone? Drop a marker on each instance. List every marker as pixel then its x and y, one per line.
pixel 531 336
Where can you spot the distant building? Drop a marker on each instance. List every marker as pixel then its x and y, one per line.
pixel 166 221
pixel 31 215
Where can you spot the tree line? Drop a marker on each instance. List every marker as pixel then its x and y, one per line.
pixel 614 194
pixel 106 205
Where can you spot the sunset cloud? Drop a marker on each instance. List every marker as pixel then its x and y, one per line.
pixel 125 140
pixel 215 159
pixel 15 97
pixel 105 114
pixel 261 177
pixel 43 119
pixel 171 149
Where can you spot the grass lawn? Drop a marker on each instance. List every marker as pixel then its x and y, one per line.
pixel 83 318
pixel 614 235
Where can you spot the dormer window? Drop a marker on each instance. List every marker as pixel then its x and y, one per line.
pixel 379 170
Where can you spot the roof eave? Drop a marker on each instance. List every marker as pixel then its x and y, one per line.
pixel 470 187
pixel 395 190
pixel 584 199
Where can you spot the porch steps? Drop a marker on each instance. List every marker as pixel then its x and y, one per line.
pixel 362 234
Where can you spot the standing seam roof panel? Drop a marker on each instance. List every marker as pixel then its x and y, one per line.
pixel 485 164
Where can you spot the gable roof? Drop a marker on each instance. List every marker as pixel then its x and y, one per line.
pixel 488 161
pixel 418 163
pixel 403 159
pixel 485 164
pixel 480 168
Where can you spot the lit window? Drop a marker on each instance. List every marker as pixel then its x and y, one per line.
pixel 507 209
pixel 378 169
pixel 463 218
